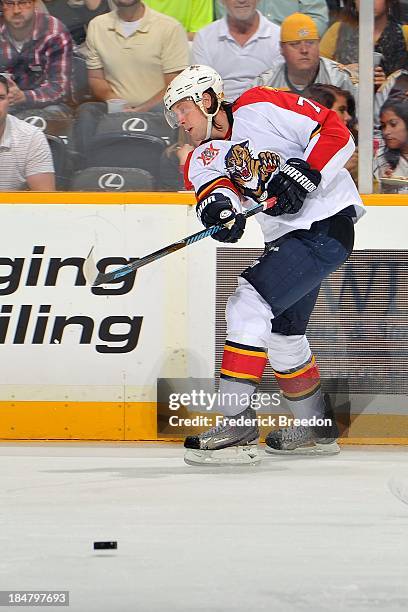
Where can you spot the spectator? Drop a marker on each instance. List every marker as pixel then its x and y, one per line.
pixel 192 14
pixel 75 15
pixel 132 54
pixel 277 10
pixel 25 157
pixel 343 103
pixel 391 160
pixel 36 51
pixel 340 43
pixel 301 64
pixel 339 100
pixel 397 82
pixel 239 46
pixel 335 7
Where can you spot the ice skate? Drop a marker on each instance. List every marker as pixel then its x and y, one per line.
pixel 302 440
pixel 226 444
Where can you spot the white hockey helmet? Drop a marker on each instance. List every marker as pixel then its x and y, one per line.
pixel 191 84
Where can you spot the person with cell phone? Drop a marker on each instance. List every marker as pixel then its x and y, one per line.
pixel 391 159
pixel 340 42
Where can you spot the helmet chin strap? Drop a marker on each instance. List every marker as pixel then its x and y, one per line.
pixel 209 126
pixel 209 118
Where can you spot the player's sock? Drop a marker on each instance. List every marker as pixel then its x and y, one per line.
pixel 301 389
pixel 241 371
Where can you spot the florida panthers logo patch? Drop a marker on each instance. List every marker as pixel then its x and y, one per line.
pixel 209 154
pixel 248 173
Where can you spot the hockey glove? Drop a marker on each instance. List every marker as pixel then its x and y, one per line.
pixel 218 209
pixel 295 180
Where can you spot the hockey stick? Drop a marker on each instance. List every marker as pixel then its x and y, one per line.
pixel 95 278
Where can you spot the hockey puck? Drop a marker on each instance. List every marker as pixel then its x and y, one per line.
pixel 105 545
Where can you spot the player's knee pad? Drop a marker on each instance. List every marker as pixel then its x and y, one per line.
pixel 248 316
pixel 288 352
pixel 299 383
pixel 243 363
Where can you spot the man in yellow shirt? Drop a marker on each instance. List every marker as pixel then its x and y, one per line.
pixel 133 53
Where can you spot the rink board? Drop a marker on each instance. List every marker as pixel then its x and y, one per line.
pixel 81 363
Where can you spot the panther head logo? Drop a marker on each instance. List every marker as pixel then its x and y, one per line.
pixel 250 174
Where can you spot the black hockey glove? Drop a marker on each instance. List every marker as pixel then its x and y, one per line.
pixel 295 180
pixel 217 209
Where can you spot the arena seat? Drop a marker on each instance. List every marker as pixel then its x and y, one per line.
pixel 62 165
pixel 126 150
pixel 150 123
pixel 47 122
pixel 80 85
pixel 111 178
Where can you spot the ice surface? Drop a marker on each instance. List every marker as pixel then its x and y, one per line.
pixel 309 534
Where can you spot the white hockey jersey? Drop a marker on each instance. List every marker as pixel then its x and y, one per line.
pixel 270 127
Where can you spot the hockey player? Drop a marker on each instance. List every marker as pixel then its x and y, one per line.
pixel 268 143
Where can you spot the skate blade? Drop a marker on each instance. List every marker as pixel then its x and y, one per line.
pixel 332 448
pixel 233 455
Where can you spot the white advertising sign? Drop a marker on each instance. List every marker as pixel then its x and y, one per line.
pixel 61 339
